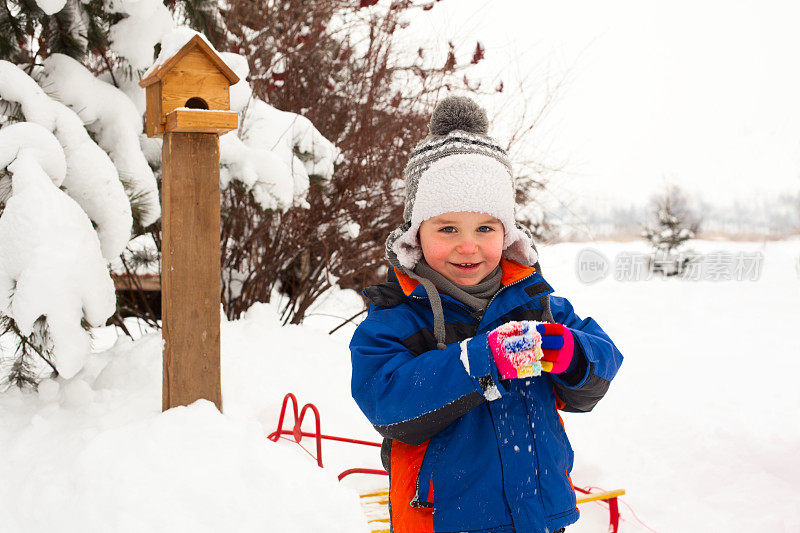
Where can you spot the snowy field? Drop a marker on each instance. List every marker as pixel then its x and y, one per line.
pixel 700 427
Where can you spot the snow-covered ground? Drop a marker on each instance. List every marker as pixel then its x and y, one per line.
pixel 700 426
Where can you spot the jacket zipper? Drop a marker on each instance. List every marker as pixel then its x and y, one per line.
pixel 480 317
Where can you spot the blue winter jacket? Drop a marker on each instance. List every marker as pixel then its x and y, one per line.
pixel 465 450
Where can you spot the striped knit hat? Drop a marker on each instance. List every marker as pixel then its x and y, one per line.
pixel 458 167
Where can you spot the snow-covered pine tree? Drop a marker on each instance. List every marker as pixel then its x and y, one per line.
pixel 672 223
pixel 54 51
pixel 51 52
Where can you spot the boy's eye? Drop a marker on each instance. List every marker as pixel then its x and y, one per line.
pixel 448 229
pixel 485 229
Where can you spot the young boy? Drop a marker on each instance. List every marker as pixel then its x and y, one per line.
pixel 471 444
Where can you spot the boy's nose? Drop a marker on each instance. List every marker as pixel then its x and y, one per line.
pixel 466 246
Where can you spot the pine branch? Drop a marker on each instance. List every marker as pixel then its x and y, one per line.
pixel 22 372
pixel 62 39
pixel 11 33
pixel 139 200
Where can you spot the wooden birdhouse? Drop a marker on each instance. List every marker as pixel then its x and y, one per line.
pixel 188 105
pixel 190 92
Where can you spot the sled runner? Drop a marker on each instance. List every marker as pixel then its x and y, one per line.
pixel 376 507
pixel 376 503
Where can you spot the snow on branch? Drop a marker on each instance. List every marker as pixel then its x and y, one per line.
pixel 39 143
pixel 92 180
pixel 115 123
pixel 296 142
pixel 145 24
pixel 274 152
pixel 51 263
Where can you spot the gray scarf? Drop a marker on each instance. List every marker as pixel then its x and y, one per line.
pixel 475 296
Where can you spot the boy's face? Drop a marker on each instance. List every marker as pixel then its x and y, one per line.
pixel 463 246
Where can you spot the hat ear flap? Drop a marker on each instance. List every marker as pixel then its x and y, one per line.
pixel 402 247
pixel 519 246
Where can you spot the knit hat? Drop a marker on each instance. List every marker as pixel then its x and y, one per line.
pixel 458 167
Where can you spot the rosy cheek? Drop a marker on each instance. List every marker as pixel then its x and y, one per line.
pixel 439 250
pixel 495 250
pixel 434 248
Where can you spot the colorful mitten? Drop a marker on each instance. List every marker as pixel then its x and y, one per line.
pixel 516 347
pixel 558 345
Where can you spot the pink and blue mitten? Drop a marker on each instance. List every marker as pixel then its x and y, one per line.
pixel 558 345
pixel 517 349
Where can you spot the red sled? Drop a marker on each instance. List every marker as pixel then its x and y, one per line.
pixel 376 503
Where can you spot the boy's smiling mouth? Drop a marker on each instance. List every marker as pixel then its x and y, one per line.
pixel 466 266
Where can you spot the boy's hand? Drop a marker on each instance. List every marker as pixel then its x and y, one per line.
pixel 517 349
pixel 558 345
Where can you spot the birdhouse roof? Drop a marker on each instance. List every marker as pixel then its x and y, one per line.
pixel 158 73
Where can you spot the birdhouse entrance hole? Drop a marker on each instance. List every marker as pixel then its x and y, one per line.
pixel 196 103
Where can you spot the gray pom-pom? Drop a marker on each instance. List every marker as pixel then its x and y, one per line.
pixel 458 113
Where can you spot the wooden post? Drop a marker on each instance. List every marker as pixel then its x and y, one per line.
pixel 188 104
pixel 190 268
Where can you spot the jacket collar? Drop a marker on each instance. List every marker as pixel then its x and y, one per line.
pixel 512 272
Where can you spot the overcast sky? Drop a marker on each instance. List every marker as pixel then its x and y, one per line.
pixel 702 94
